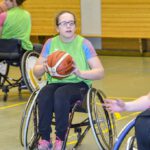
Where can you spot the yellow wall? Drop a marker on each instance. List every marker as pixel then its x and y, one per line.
pixel 124 22
pixel 126 18
pixel 43 14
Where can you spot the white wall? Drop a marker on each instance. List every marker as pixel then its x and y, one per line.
pixel 91 20
pixel 91 17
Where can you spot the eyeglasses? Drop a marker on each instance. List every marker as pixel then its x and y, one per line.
pixel 65 23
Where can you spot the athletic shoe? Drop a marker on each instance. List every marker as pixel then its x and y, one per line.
pixel 44 145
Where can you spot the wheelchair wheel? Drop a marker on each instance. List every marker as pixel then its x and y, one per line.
pixel 3 72
pixel 102 123
pixel 29 124
pixel 131 143
pixel 126 139
pixel 24 117
pixel 28 61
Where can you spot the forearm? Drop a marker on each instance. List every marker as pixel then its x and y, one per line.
pixel 140 104
pixel 38 71
pixel 94 74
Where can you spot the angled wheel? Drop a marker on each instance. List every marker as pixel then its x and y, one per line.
pixel 126 138
pixel 28 61
pixel 24 117
pixel 131 143
pixel 29 124
pixel 4 69
pixel 102 123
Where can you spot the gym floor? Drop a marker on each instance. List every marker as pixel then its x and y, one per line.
pixel 125 77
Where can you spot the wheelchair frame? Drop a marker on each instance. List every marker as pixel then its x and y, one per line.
pixel 12 54
pixel 96 121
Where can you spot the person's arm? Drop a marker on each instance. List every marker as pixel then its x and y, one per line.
pixel 40 67
pixel 96 69
pixel 96 72
pixel 140 104
pixel 2 20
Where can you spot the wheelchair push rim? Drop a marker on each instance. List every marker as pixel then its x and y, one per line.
pixel 102 123
pixel 28 61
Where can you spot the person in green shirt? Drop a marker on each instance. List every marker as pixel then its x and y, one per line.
pixel 59 94
pixel 16 23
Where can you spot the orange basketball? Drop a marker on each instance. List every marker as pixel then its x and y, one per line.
pixel 60 64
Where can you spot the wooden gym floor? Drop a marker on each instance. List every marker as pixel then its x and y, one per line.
pixel 125 77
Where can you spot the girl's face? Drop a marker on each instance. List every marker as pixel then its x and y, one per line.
pixel 66 27
pixel 9 3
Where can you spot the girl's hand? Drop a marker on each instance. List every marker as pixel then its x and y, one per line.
pixel 45 66
pixel 76 71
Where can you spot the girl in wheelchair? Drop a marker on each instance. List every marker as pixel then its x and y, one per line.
pixel 21 28
pixel 59 94
pixel 142 122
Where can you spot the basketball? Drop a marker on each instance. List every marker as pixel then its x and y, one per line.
pixel 60 64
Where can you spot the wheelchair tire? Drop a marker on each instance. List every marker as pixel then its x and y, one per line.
pixel 102 123
pixel 3 72
pixel 131 143
pixel 29 135
pixel 126 138
pixel 24 116
pixel 27 63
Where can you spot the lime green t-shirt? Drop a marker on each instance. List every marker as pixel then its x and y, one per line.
pixel 18 25
pixel 74 48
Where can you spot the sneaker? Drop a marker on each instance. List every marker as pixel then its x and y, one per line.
pixel 58 144
pixel 44 145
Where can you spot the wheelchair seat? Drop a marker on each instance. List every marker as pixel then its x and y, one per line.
pixel 10 50
pixel 98 119
pixel 11 54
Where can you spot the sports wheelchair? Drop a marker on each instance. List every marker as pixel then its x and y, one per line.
pixel 98 119
pixel 126 138
pixel 12 54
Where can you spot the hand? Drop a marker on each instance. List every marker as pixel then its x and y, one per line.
pixel 114 105
pixel 76 71
pixel 45 66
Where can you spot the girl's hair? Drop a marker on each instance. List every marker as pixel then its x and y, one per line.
pixel 61 13
pixel 19 2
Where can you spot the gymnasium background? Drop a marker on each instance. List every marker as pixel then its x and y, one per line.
pixel 115 27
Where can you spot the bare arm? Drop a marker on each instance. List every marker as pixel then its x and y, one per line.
pixel 139 104
pixel 40 67
pixel 2 20
pixel 96 72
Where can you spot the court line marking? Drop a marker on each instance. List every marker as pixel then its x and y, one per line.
pixel 127 116
pixel 11 106
pixel 73 142
pixel 21 103
pixel 123 98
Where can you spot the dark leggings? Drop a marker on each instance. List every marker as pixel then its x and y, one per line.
pixel 142 132
pixel 58 98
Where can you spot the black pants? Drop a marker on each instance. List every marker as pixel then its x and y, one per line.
pixel 142 130
pixel 58 98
